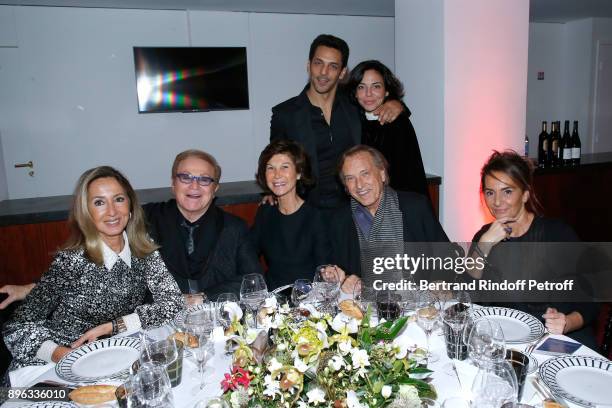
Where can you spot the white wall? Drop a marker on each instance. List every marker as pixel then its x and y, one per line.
pixel 68 97
pixel 567 54
pixel 544 97
pixel 465 63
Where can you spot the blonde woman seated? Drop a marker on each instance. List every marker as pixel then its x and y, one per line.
pixel 96 285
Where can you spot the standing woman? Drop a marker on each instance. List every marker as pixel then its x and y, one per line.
pixel 371 84
pixel 97 284
pixel 290 235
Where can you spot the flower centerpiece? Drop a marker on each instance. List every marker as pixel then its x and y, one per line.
pixel 312 359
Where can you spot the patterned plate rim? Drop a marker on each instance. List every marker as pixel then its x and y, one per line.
pixel 50 404
pixel 536 328
pixel 549 369
pixel 63 368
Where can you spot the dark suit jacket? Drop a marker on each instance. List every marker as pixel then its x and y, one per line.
pixel 420 225
pixel 292 120
pixel 232 257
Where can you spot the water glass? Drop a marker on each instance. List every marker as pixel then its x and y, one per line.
pixel 388 305
pixel 152 386
pixel 168 353
pixel 494 385
pixel 224 316
pixel 253 291
pixel 326 285
pixel 485 342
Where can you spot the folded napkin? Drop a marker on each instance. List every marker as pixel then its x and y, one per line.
pixel 25 376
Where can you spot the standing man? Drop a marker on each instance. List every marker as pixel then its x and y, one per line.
pixel 323 119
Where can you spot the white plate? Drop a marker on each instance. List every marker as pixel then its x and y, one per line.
pixel 586 381
pixel 100 360
pixel 50 404
pixel 518 327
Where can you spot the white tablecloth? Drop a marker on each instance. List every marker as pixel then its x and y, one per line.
pixel 447 384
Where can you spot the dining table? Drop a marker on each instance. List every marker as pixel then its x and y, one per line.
pixel 451 378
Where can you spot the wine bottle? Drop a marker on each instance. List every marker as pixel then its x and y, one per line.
pixel 565 147
pixel 553 145
pixel 543 146
pixel 576 145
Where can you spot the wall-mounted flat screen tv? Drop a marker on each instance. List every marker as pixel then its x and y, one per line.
pixel 191 79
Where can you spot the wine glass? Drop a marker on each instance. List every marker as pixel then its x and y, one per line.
pixel 494 385
pixel 427 316
pixel 223 314
pixel 151 386
pixel 200 345
pixel 365 296
pixel 301 291
pixel 486 342
pixel 455 314
pixel 326 285
pixel 253 291
pixel 388 305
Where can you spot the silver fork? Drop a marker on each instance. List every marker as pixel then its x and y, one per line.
pixel 533 345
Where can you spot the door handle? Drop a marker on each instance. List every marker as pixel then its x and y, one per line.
pixel 29 164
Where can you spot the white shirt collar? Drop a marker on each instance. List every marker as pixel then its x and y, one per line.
pixel 111 257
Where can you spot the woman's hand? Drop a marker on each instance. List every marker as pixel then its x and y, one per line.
pixel 498 231
pixel 104 329
pixel 554 321
pixel 388 111
pixel 269 199
pixel 59 352
pixel 15 293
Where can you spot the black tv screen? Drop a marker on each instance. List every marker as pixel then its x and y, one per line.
pixel 191 79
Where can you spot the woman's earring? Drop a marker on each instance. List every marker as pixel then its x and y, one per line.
pixel 130 217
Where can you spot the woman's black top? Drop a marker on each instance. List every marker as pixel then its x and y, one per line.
pixel 397 141
pixel 544 229
pixel 292 245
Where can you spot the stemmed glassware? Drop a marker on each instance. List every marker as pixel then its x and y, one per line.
pixel 494 385
pixel 427 316
pixel 485 342
pixel 326 285
pixel 301 291
pixel 253 292
pixel 224 316
pixel 198 326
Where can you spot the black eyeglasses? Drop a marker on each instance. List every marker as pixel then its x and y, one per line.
pixel 204 181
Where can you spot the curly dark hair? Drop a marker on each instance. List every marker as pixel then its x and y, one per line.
pixel 299 157
pixel 328 40
pixel 517 168
pixel 392 84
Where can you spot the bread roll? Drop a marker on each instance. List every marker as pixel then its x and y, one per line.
pixel 187 339
pixel 93 394
pixel 351 308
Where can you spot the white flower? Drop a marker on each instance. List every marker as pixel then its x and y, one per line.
pixel 274 365
pixel 386 391
pixel 360 358
pixel 281 346
pixel 233 310
pixel 345 347
pixel 300 365
pixel 272 387
pixel 352 401
pixel 344 322
pixel 402 344
pixel 316 396
pixel 284 309
pixel 270 302
pixel 409 392
pixel 336 363
pixel 362 372
pixel 251 335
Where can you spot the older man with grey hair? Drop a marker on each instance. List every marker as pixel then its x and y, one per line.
pixel 379 220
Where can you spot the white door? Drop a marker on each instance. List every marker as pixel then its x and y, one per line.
pixel 602 135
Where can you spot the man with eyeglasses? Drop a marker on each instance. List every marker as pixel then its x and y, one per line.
pixel 204 248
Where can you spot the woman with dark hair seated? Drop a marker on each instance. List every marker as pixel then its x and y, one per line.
pixel 507 187
pixel 96 285
pixel 290 235
pixel 371 84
